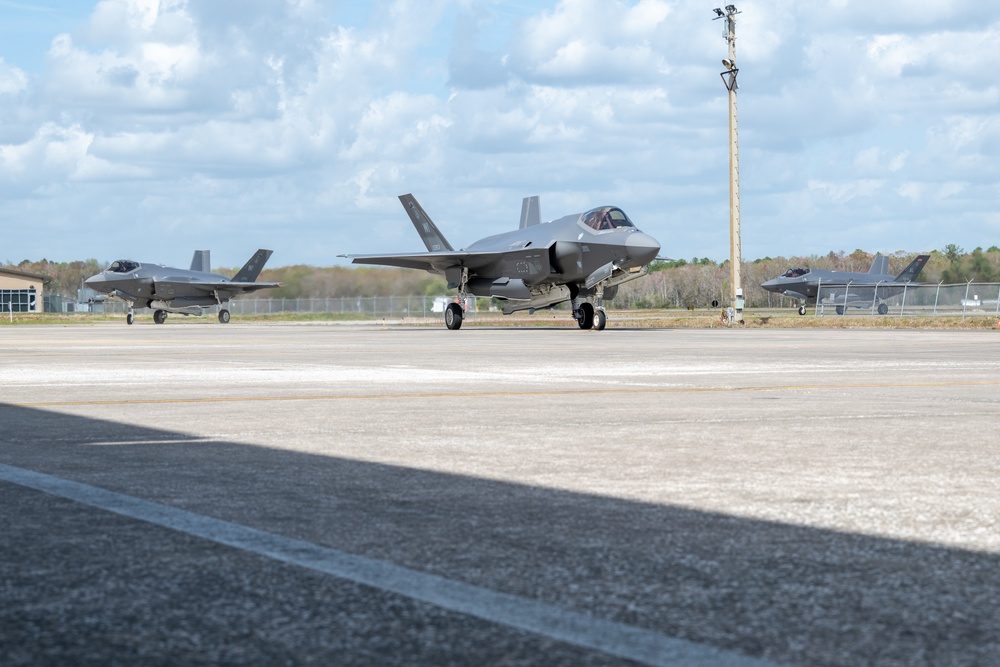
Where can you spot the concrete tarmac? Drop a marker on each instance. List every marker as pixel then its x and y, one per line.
pixel 359 494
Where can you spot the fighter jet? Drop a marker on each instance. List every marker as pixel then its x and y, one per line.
pixel 844 288
pixel 580 258
pixel 169 290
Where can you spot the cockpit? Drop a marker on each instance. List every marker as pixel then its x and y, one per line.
pixel 794 273
pixel 122 266
pixel 606 217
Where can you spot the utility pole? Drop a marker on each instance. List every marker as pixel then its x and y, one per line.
pixel 729 79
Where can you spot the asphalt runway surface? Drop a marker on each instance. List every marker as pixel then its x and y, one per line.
pixel 368 495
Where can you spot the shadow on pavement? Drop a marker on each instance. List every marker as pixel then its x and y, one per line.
pixel 792 594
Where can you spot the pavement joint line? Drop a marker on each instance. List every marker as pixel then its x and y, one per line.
pixel 610 637
pixel 495 394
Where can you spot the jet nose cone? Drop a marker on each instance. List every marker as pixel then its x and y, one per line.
pixel 772 285
pixel 95 282
pixel 642 248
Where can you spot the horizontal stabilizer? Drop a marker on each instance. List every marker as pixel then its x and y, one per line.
pixel 253 267
pixel 429 233
pixel 531 213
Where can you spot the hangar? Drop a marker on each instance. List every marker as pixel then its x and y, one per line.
pixel 21 292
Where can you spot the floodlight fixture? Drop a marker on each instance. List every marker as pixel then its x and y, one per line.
pixel 731 9
pixel 718 13
pixel 728 64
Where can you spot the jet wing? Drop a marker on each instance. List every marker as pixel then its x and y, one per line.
pixel 169 286
pixel 435 262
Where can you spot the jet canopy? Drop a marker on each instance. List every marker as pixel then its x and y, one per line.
pixel 122 266
pixel 606 217
pixel 794 273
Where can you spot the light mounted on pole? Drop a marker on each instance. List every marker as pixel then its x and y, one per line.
pixel 729 79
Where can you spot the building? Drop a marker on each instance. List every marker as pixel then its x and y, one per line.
pixel 21 292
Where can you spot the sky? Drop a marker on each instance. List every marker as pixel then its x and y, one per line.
pixel 147 129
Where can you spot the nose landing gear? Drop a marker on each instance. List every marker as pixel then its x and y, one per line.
pixel 453 316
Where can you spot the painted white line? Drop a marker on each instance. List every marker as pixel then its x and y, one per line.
pixel 617 639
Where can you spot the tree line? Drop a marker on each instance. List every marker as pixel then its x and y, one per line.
pixel 670 284
pixel 696 284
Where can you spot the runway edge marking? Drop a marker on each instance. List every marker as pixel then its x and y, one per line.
pixel 617 639
pixel 502 394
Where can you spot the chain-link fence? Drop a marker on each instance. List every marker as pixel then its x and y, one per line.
pixel 374 307
pixel 965 299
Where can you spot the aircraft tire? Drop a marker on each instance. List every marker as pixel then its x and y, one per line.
pixel 883 309
pixel 159 316
pixel 802 310
pixel 453 316
pixel 224 316
pixel 130 318
pixel 840 310
pixel 600 319
pixel 585 316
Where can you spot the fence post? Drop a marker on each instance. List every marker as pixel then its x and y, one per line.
pixel 902 305
pixel 847 290
pixel 819 294
pixel 965 301
pixel 937 294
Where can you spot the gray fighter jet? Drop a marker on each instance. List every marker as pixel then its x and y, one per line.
pixel 169 290
pixel 844 288
pixel 580 258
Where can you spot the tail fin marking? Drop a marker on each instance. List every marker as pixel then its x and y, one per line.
pixel 429 233
pixel 911 272
pixel 253 267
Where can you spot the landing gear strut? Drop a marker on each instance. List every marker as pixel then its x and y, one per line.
pixel 454 312
pixel 591 315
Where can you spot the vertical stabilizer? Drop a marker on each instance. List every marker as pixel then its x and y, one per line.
pixel 911 272
pixel 432 237
pixel 880 266
pixel 252 268
pixel 531 213
pixel 202 261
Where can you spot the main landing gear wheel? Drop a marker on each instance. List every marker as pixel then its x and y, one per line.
pixel 453 316
pixel 600 319
pixel 802 310
pixel 224 316
pixel 585 315
pixel 159 316
pixel 840 310
pixel 883 309
pixel 130 318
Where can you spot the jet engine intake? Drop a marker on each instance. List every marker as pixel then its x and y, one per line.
pixel 567 258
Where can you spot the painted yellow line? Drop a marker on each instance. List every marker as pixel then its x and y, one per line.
pixel 502 394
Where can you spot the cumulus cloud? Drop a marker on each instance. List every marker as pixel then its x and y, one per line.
pixel 277 119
